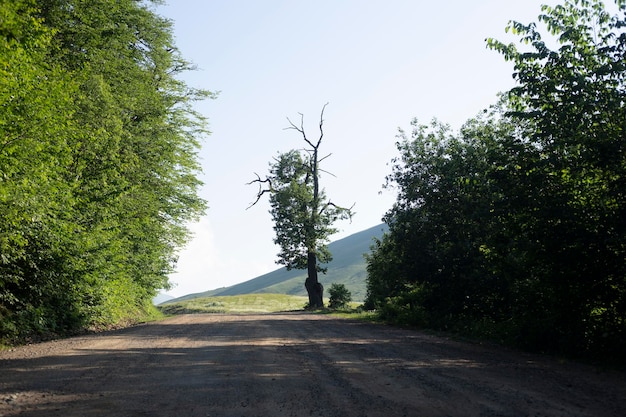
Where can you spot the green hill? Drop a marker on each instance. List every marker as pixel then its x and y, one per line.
pixel 347 267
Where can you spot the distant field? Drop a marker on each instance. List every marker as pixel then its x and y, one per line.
pixel 245 303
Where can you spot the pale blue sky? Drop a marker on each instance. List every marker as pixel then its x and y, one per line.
pixel 378 63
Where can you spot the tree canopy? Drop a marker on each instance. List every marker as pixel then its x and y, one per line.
pixel 98 161
pixel 303 215
pixel 514 226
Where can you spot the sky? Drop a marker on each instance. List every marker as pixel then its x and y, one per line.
pixel 377 63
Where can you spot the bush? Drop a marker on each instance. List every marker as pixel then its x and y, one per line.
pixel 339 296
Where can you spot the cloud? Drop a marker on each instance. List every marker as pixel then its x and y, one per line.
pixel 206 264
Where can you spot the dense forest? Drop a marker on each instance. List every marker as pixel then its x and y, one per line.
pixel 98 162
pixel 514 227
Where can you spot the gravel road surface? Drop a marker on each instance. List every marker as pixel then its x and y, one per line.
pixel 293 364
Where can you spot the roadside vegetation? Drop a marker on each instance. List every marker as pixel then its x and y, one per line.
pixel 98 166
pixel 340 296
pixel 512 229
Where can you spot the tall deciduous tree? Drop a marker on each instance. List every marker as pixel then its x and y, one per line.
pixel 303 215
pixel 572 101
pixel 98 161
pixel 515 225
pixel 36 125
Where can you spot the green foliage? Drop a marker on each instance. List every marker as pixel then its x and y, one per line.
pixel 294 214
pixel 98 162
pixel 513 227
pixel 340 297
pixel 302 214
pixel 302 220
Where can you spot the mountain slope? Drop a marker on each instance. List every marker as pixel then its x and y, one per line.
pixel 161 298
pixel 347 267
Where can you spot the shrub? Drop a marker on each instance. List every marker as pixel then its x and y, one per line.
pixel 339 296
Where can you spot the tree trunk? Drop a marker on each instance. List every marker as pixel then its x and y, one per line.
pixel 314 289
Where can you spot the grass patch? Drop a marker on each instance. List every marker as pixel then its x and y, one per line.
pixel 236 304
pixel 355 311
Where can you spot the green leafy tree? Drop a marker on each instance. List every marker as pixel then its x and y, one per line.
pixel 36 97
pixel 571 101
pixel 134 163
pixel 514 225
pixel 340 296
pixel 438 227
pixel 98 161
pixel 302 214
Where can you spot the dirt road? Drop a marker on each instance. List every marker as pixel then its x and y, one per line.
pixel 293 364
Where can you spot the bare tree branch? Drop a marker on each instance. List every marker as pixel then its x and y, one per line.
pixel 262 191
pixel 321 126
pixel 327 172
pixel 321 159
pixel 300 129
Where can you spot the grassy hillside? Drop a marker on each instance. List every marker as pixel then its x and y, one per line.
pixel 347 267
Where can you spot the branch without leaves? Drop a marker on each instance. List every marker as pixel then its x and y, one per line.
pixel 262 190
pixel 301 128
